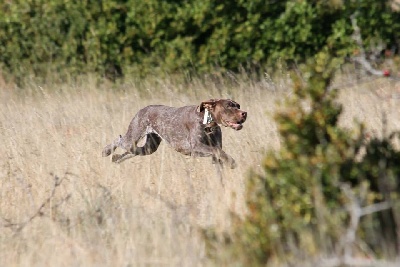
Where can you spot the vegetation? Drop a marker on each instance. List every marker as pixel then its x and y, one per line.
pixel 309 198
pixel 147 211
pixel 123 37
pixel 321 189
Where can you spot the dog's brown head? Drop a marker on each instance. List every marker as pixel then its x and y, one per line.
pixel 225 112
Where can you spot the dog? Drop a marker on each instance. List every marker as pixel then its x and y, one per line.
pixel 190 130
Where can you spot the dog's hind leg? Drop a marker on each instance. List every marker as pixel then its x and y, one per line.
pixel 146 146
pixel 109 149
pixel 118 158
pixel 128 141
pixel 149 145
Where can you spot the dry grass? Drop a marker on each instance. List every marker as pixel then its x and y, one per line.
pixel 146 211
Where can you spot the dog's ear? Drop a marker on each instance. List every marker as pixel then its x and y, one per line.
pixel 210 104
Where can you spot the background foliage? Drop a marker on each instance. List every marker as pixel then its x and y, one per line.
pixel 118 37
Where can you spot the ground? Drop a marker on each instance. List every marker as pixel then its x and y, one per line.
pixel 148 210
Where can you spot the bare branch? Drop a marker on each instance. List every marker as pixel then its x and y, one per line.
pixel 361 58
pixel 18 226
pixel 357 34
pixel 367 67
pixel 355 212
pixel 375 208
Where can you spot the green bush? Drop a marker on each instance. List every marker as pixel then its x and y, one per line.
pixel 123 37
pixel 296 207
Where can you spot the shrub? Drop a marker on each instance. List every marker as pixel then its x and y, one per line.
pixel 296 207
pixel 123 37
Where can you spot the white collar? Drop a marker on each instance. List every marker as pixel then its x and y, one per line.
pixel 207 119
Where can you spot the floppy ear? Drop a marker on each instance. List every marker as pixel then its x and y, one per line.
pixel 210 104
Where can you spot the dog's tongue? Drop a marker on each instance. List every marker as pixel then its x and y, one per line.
pixel 236 126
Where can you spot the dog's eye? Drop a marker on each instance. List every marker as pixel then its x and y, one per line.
pixel 233 105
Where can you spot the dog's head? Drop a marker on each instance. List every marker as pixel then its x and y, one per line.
pixel 225 112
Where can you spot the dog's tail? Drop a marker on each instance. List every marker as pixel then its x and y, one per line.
pixel 111 147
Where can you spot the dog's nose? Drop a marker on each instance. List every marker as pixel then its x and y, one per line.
pixel 244 114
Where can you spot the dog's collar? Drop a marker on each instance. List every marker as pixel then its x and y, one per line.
pixel 207 119
pixel 208 122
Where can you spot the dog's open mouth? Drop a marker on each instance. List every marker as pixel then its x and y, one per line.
pixel 236 126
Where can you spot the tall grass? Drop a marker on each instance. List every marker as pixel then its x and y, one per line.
pixel 147 210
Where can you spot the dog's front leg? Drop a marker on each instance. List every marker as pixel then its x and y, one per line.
pixel 204 150
pixel 227 159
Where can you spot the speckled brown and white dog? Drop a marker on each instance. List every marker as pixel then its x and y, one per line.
pixel 190 130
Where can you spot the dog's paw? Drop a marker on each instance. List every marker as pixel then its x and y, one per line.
pixel 106 151
pixel 228 162
pixel 115 158
pixel 233 164
pixel 217 161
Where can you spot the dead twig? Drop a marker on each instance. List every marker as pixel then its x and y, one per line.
pixel 18 226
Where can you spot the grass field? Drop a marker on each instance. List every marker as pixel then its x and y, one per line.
pixel 62 204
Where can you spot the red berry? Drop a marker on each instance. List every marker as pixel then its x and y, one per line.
pixel 386 73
